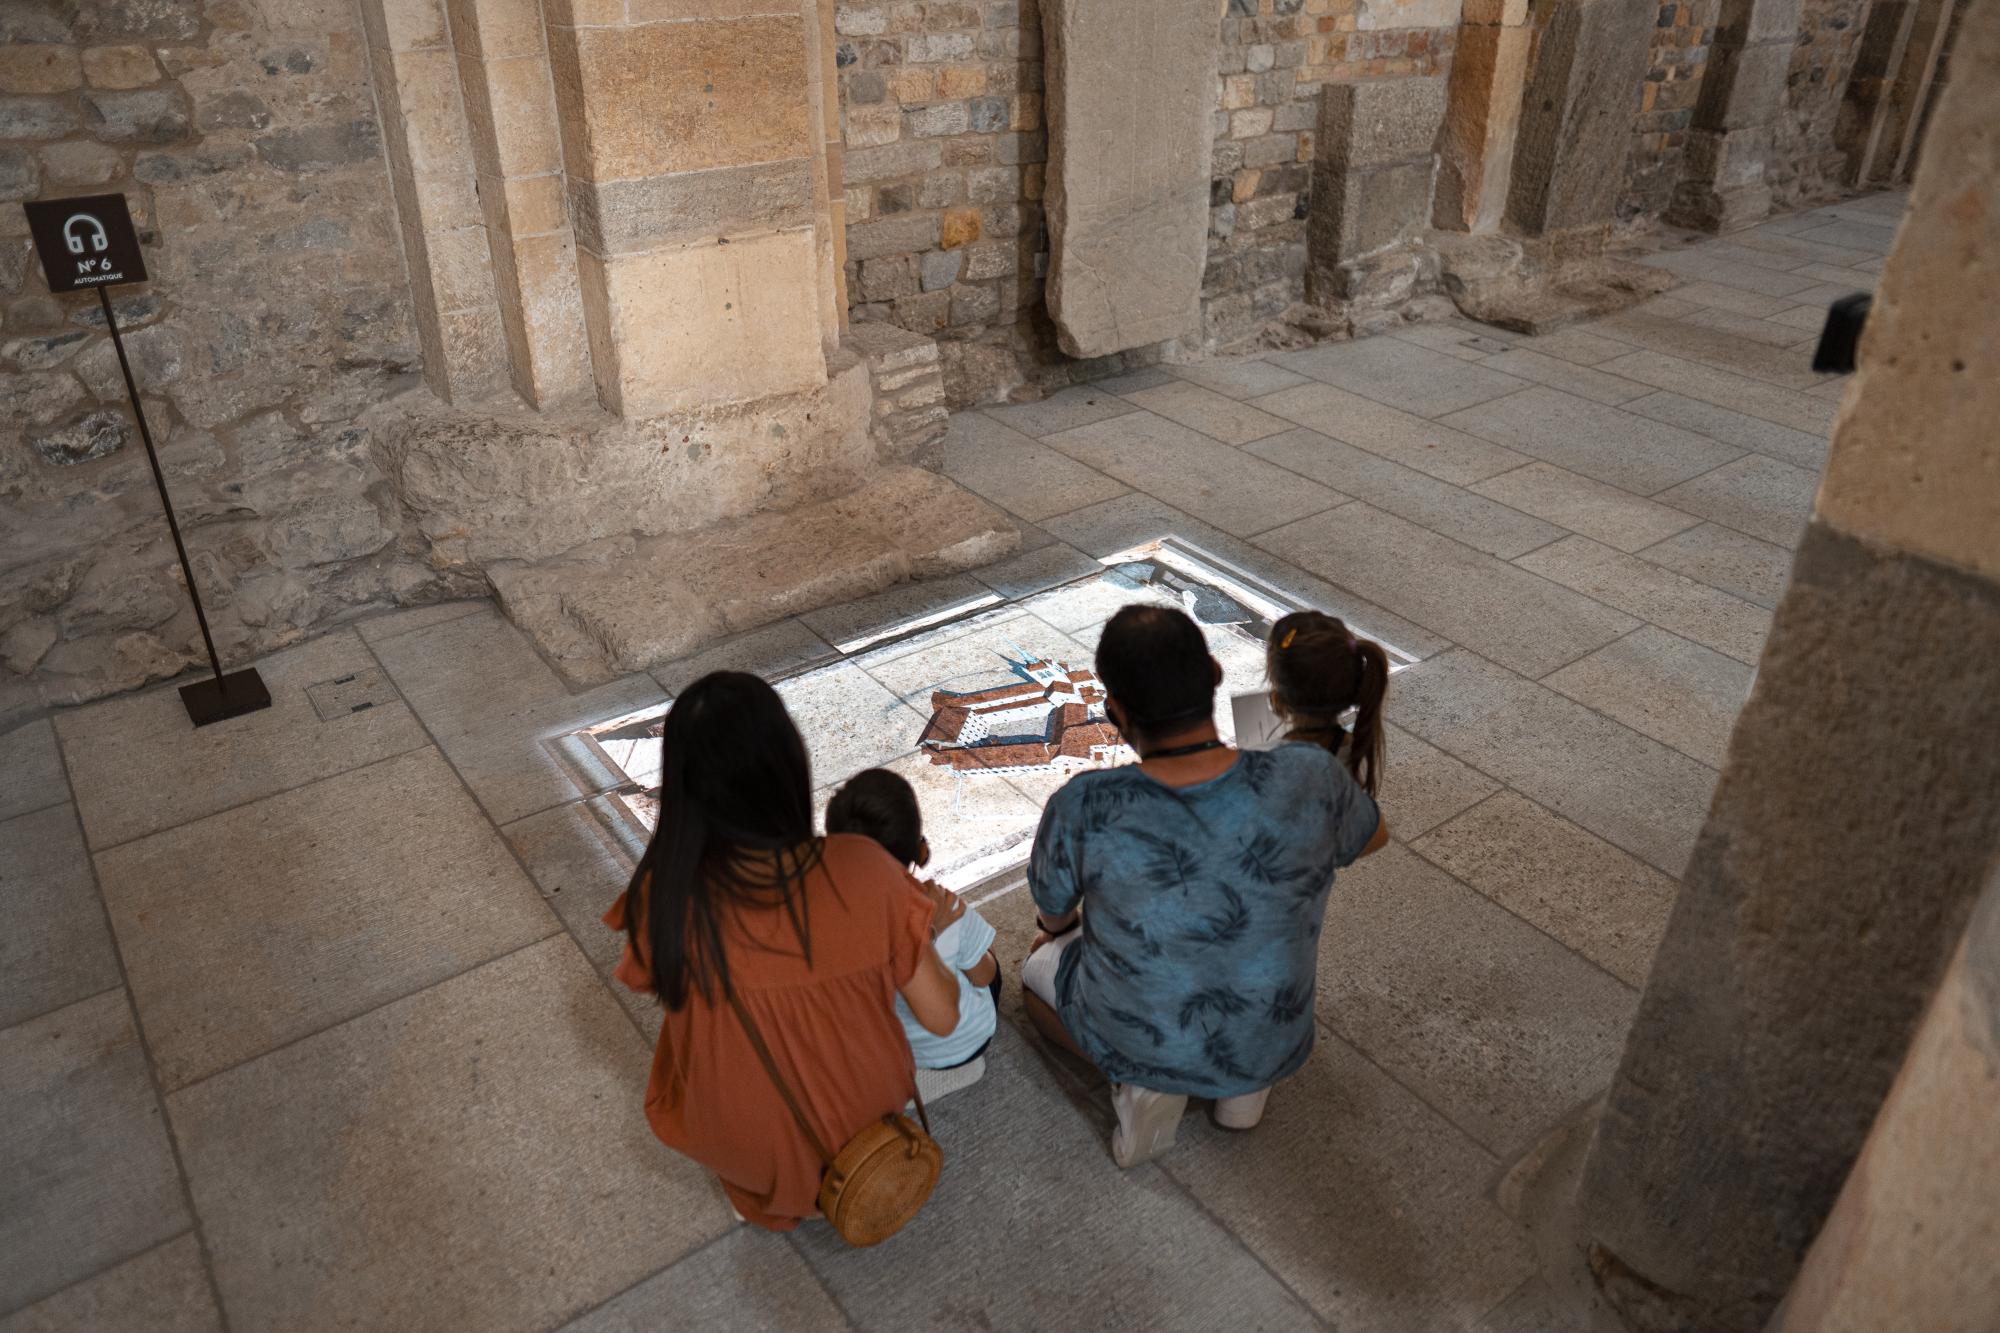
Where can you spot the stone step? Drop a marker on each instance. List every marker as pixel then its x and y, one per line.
pixel 616 607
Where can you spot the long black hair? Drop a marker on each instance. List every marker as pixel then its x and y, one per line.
pixel 736 829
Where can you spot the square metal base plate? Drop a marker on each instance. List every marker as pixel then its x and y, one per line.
pixel 232 695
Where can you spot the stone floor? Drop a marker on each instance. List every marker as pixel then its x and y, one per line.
pixel 303 1016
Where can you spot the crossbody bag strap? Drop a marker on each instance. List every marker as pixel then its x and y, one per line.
pixel 784 1090
pixel 771 1068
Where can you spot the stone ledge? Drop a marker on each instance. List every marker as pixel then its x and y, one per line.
pixel 622 606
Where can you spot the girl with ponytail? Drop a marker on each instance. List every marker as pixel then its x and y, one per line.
pixel 1319 670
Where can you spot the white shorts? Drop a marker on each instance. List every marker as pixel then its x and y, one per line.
pixel 1038 973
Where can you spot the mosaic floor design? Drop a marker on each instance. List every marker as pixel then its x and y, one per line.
pixel 986 707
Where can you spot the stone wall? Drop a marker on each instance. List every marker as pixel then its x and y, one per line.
pixel 946 157
pixel 944 169
pixel 1678 58
pixel 1806 161
pixel 245 134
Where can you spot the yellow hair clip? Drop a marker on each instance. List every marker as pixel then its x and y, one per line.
pixel 1286 642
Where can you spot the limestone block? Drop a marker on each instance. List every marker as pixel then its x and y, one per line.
pixel 404 25
pixel 1743 86
pixel 1915 456
pixel 1385 121
pixel 1366 211
pixel 120 67
pixel 1476 149
pixel 511 115
pixel 535 204
pixel 1510 13
pixel 1374 14
pixel 723 323
pixel 647 101
pixel 614 217
pixel 424 118
pixel 1131 85
pixel 541 305
pixel 491 486
pixel 496 29
pixel 1576 120
pixel 38 67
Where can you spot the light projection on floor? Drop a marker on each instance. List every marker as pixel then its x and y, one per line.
pixel 985 706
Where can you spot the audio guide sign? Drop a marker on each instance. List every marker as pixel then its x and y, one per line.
pixel 88 242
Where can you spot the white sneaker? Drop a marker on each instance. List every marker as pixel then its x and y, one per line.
pixel 1241 1112
pixel 937 1084
pixel 1147 1123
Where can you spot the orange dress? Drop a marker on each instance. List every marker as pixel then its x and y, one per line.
pixel 831 1028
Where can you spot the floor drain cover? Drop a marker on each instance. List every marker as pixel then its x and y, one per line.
pixel 344 696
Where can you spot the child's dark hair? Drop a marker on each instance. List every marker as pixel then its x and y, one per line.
pixel 1318 670
pixel 878 804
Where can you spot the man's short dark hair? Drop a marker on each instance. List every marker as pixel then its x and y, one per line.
pixel 1155 663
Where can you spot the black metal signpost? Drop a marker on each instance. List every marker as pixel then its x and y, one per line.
pixel 90 242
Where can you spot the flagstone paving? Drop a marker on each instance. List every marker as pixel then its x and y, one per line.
pixel 304 1018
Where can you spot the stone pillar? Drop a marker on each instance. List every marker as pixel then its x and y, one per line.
pixel 1476 152
pixel 503 69
pixel 1912 1243
pixel 692 139
pixel 1576 120
pixel 1855 820
pixel 437 199
pixel 1722 184
pixel 1899 58
pixel 1131 89
pixel 1373 170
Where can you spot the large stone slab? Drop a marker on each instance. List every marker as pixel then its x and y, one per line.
pixel 1679 693
pixel 1214 482
pixel 1607 905
pixel 1527 623
pixel 139 766
pixel 1128 1245
pixel 53 945
pixel 629 606
pixel 1601 442
pixel 258 926
pixel 163 1290
pixel 31 770
pixel 1016 472
pixel 1485 1017
pixel 1367 1202
pixel 749 1281
pixel 1673 601
pixel 86 1176
pixel 470 1156
pixel 1484 524
pixel 1626 788
pixel 1131 85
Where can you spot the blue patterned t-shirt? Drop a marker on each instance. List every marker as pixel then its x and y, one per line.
pixel 1202 909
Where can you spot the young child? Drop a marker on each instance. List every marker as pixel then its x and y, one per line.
pixel 1319 669
pixel 878 804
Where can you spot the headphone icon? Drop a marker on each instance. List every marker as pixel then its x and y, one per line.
pixel 100 240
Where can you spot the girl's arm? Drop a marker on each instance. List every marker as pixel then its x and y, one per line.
pixel 932 993
pixel 982 972
pixel 1379 841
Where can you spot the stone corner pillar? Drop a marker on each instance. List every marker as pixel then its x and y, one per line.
pixel 1131 89
pixel 692 140
pixel 1855 821
pixel 1374 167
pixel 1912 1241
pixel 445 246
pixel 1722 186
pixel 1576 120
pixel 1476 151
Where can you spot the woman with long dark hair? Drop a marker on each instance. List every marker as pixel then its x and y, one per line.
pixel 737 903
